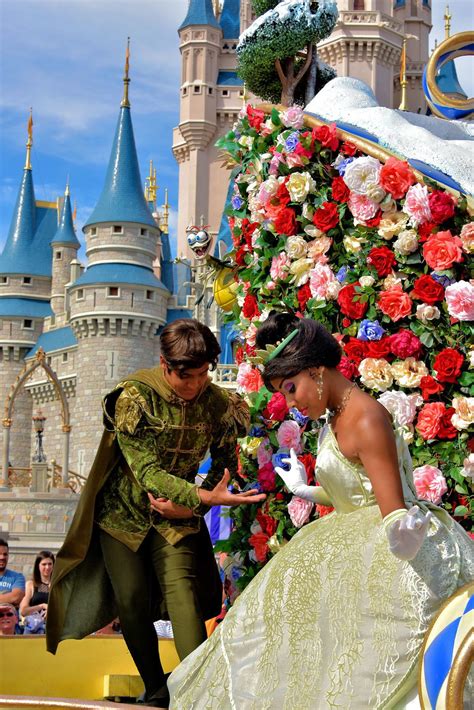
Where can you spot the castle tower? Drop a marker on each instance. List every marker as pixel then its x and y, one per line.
pixel 367 41
pixel 211 97
pixel 65 245
pixel 117 304
pixel 447 77
pixel 415 17
pixel 25 285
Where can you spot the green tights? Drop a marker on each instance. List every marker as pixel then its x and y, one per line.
pixel 175 570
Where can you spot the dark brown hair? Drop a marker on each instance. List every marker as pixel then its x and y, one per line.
pixel 187 344
pixel 43 555
pixel 313 346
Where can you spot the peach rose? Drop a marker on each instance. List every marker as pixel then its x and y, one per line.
pixel 409 372
pixel 467 237
pixel 442 250
pixel 376 374
pixel 463 418
pixel 395 303
pixel 429 420
pixel 430 483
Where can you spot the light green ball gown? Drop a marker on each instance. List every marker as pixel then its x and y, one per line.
pixel 334 620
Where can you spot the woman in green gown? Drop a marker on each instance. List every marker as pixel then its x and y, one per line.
pixel 337 618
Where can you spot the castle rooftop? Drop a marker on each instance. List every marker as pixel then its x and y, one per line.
pixel 200 12
pixel 65 233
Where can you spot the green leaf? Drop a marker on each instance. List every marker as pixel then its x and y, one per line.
pixel 461 510
pixel 427 339
pixel 276 117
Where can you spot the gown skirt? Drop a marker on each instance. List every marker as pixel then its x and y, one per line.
pixel 334 620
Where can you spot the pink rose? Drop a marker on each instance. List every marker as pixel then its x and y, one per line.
pixel 405 344
pixel 320 279
pixel 280 266
pixel 429 420
pixel 264 452
pixel 289 436
pixel 293 117
pixel 460 299
pixel 249 378
pixel 430 483
pixel 467 237
pixel 362 207
pixel 266 477
pixel 417 206
pixel 442 250
pixel 299 511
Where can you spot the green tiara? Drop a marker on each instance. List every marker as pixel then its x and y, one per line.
pixel 282 345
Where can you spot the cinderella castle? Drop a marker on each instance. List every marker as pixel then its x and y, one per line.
pixel 69 331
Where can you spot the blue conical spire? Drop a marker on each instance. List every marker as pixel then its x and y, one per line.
pixel 122 198
pixel 447 80
pixel 230 19
pixel 17 257
pixel 200 12
pixel 65 233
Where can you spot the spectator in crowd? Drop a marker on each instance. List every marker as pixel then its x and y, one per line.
pixel 34 606
pixel 8 619
pixel 12 584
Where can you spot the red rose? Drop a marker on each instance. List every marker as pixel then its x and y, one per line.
pixel 239 355
pixel 346 322
pixel 266 476
pixel 348 148
pixel 374 221
pixel 326 217
pixel 396 177
pixel 446 429
pixel 255 117
pixel 327 136
pixel 425 229
pixel 303 295
pixel 285 222
pixel 395 303
pixel 250 307
pixel 277 408
pixel 347 367
pixel 405 344
pixel 447 365
pixel 382 259
pixel 349 303
pixel 355 349
pixel 429 386
pixel 379 348
pixel 309 462
pixel 339 189
pixel 323 510
pixel 442 250
pixel 259 543
pixel 266 522
pixel 428 290
pixel 442 206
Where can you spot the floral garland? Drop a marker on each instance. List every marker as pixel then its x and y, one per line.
pixel 380 259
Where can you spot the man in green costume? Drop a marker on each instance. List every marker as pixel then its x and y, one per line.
pixel 137 546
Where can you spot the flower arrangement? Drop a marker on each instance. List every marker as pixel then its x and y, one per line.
pixel 380 257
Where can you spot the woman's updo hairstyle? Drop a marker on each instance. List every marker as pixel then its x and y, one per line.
pixel 313 346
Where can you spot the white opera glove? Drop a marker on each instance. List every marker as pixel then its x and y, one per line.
pixel 295 480
pixel 406 530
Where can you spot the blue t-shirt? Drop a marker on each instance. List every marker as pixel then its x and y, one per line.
pixel 11 580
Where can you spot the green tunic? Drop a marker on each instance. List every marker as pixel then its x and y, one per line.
pixel 153 441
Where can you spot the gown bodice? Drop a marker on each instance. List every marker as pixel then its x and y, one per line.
pixel 347 483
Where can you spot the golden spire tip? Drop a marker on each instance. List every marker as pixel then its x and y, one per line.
pixel 29 142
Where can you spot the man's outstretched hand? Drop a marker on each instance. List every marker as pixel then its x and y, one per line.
pixel 220 495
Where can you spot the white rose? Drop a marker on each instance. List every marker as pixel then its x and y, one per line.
pixel 425 312
pixel 375 192
pixel 300 270
pixel 296 247
pixel 401 406
pixel 361 173
pixel 468 467
pixel 299 185
pixel 407 242
pixel 366 281
pixel 463 417
pixel 308 213
pixel 353 244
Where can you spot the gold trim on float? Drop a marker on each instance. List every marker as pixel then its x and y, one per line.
pixel 47 205
pixel 17 702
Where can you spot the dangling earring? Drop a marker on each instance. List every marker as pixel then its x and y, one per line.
pixel 318 379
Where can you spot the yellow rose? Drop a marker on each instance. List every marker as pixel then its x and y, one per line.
pixel 250 445
pixel 392 224
pixel 353 244
pixel 376 373
pixel 296 247
pixel 408 372
pixel 300 270
pixel 299 185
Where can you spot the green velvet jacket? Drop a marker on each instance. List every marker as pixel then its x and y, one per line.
pixel 153 441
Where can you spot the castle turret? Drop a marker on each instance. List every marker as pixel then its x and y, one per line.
pixel 211 97
pixel 25 283
pixel 117 304
pixel 65 245
pixel 415 18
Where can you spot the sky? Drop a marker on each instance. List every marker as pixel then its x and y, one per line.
pixel 65 59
